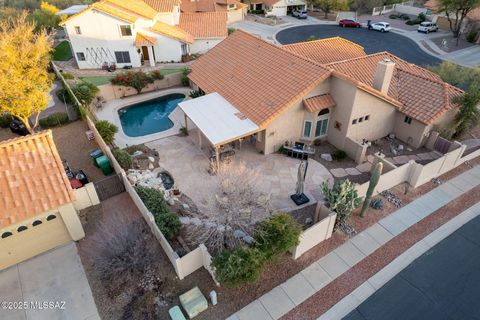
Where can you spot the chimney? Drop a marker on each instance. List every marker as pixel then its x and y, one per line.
pixel 383 75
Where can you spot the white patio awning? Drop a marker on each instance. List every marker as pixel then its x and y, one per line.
pixel 72 10
pixel 218 120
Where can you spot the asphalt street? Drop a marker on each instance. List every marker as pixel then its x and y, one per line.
pixel 442 284
pixel 372 41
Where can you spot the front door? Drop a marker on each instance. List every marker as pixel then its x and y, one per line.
pixel 322 123
pixel 145 53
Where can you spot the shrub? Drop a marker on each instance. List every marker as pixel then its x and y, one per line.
pixel 236 267
pixel 342 198
pixel 393 16
pixel 157 75
pixel 134 79
pixel 377 204
pixel 195 94
pixel 275 236
pixel 183 131
pixel 107 130
pixel 339 155
pixel 168 222
pixel 471 36
pixel 185 80
pixel 311 38
pixel 124 159
pixel 67 75
pixel 231 30
pixel 5 120
pixel 136 147
pixel 53 120
pixel 85 92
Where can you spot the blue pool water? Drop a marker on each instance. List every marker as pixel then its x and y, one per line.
pixel 150 116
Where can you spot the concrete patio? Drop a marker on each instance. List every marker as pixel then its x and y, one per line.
pixel 189 165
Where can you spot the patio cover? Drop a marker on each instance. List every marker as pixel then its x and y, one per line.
pixel 218 120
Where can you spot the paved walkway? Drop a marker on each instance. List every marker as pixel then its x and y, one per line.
pixel 440 284
pixel 304 284
pixel 56 276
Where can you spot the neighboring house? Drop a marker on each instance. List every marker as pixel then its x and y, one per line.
pixel 235 10
pixel 300 93
pixel 36 200
pixel 278 8
pixel 132 33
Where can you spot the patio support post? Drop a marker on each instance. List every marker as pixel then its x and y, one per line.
pixel 217 157
pixel 151 56
pixel 199 138
pixel 186 121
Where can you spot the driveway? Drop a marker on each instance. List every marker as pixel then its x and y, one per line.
pixel 441 284
pixel 372 41
pixel 57 277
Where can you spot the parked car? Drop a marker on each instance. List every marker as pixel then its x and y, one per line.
pixel 380 26
pixel 427 27
pixel 17 126
pixel 348 23
pixel 300 14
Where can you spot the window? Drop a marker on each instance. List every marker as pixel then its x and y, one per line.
pixel 307 128
pixel 51 217
pixel 78 30
pixel 323 112
pixel 184 49
pixel 36 223
pixel 321 128
pixel 407 120
pixel 367 117
pixel 81 56
pixel 354 121
pixel 122 56
pixel 6 234
pixel 21 228
pixel 126 30
pixel 360 119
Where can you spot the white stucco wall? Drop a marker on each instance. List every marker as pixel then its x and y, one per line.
pixel 203 45
pixel 167 49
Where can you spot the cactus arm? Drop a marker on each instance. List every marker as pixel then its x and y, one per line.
pixel 376 173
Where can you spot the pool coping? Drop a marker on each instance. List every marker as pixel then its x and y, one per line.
pixel 109 112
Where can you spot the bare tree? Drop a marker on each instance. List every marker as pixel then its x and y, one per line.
pixel 232 212
pixel 456 12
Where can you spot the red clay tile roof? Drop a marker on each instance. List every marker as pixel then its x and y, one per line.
pixel 409 82
pixel 162 5
pixel 144 40
pixel 204 24
pixel 320 102
pixel 260 79
pixel 208 5
pixel 327 50
pixel 32 178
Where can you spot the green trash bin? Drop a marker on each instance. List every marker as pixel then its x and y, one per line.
pixel 104 164
pixel 94 154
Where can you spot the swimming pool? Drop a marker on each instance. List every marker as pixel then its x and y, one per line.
pixel 149 116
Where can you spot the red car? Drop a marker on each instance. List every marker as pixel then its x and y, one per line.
pixel 349 23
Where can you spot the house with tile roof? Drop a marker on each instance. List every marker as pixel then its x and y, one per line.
pixel 235 9
pixel 327 89
pixel 36 199
pixel 278 8
pixel 132 33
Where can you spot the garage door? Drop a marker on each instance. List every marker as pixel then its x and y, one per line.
pixel 31 239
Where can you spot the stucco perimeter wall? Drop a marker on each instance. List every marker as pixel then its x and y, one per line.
pixel 111 92
pixel 72 221
pixel 355 150
pixel 320 231
pixel 85 197
pixel 236 15
pixel 289 125
pixel 388 180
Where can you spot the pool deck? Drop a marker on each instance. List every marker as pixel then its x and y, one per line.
pixel 109 112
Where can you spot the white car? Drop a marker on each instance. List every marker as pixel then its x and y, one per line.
pixel 427 27
pixel 380 26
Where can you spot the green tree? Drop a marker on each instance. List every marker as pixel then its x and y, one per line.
pixel 468 114
pixel 328 6
pixel 456 12
pixel 46 17
pixel 457 75
pixel 24 59
pixel 106 130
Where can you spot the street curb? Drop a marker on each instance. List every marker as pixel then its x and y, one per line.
pixel 369 287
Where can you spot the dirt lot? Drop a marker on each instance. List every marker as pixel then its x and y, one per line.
pixel 73 146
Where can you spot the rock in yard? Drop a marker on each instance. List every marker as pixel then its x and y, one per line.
pixel 326 156
pixel 151 159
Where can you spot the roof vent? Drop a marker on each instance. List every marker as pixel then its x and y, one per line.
pixel 240 116
pixel 383 75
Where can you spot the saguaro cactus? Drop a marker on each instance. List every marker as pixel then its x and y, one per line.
pixel 376 172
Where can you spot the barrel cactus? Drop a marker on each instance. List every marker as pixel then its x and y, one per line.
pixel 376 173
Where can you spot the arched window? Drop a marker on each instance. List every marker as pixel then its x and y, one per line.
pixel 21 228
pixel 6 234
pixel 51 217
pixel 324 111
pixel 36 223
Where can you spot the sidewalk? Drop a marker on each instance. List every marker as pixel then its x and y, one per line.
pixel 285 297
